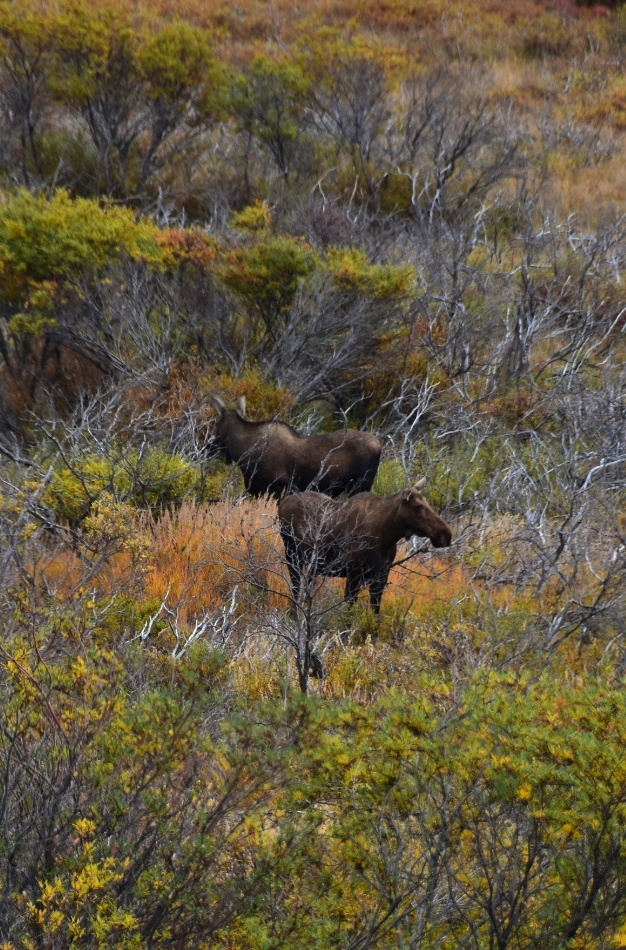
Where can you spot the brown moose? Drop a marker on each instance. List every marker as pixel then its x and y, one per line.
pixel 355 539
pixel 275 459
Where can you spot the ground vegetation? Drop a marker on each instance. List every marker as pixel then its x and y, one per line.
pixel 408 218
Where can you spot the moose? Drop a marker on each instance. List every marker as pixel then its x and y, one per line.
pixel 356 538
pixel 275 459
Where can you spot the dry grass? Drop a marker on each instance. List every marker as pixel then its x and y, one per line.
pixel 594 192
pixel 424 29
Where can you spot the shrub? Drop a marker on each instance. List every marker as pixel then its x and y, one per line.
pixel 153 479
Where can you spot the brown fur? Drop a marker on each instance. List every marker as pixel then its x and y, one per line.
pixel 355 539
pixel 275 459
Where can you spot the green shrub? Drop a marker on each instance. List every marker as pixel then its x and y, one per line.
pixel 463 472
pixel 153 479
pixel 391 477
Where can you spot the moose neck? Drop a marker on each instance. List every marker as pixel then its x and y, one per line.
pixel 240 435
pixel 381 515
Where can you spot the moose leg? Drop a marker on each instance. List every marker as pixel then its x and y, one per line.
pixel 278 488
pixel 295 576
pixel 364 481
pixel 316 667
pixel 354 583
pixel 377 586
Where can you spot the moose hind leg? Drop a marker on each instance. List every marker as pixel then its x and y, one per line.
pixel 316 667
pixel 354 584
pixel 364 481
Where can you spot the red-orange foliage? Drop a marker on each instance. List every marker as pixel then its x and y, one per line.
pixel 187 246
pixel 199 553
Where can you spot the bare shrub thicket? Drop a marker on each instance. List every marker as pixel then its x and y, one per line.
pixel 498 375
pixel 526 439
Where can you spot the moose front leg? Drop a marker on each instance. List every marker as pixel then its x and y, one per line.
pixel 376 588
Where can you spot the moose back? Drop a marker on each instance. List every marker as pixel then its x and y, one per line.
pixel 276 459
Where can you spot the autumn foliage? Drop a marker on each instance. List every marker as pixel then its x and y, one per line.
pixel 401 217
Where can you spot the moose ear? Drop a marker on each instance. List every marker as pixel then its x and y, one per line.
pixel 218 404
pixel 414 495
pixel 414 498
pixel 241 406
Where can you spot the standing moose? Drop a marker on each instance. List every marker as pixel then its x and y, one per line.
pixel 355 539
pixel 275 459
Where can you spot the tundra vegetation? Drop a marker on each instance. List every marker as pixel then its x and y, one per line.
pixel 402 218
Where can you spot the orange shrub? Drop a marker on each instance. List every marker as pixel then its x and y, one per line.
pixel 200 552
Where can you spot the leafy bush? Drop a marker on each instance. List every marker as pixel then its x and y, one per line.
pixel 391 477
pixel 151 479
pixel 60 238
